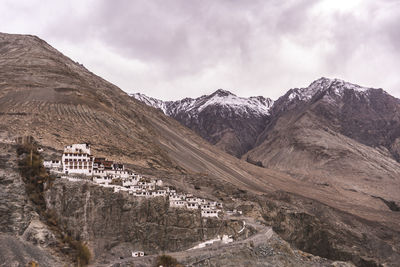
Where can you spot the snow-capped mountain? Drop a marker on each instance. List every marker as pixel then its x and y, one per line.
pixel 255 105
pixel 238 125
pixel 335 86
pixel 229 121
pixel 328 106
pixel 331 91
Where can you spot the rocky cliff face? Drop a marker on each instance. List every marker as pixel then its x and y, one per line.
pixel 115 224
pixel 230 122
pixel 23 237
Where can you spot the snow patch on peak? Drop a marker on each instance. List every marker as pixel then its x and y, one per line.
pixel 222 92
pixel 335 86
pixel 256 105
pixel 224 98
pixel 150 101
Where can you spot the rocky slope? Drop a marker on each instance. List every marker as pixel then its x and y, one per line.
pixel 230 122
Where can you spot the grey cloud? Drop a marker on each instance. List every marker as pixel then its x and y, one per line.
pixel 255 47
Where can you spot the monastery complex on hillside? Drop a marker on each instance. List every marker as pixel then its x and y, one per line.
pixel 78 163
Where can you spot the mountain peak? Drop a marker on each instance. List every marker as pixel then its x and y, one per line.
pixel 334 86
pixel 222 93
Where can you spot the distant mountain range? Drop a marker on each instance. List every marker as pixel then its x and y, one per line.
pixel 238 124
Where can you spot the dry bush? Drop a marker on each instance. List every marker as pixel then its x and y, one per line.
pixel 167 261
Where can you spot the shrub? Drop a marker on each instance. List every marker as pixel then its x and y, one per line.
pixel 83 253
pixel 34 174
pixel 167 261
pixel 33 264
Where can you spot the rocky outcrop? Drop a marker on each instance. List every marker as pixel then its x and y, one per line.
pixel 17 252
pixel 115 224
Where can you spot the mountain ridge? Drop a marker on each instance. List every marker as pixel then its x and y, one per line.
pixel 332 91
pixel 240 119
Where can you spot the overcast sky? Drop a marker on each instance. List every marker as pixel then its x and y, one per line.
pixel 172 49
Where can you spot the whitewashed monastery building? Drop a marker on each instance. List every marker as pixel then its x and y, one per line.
pixel 77 160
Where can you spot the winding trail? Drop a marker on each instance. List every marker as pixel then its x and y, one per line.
pixel 212 250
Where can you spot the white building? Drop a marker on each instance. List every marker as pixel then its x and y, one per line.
pixel 209 213
pixel 159 193
pixel 175 198
pixel 206 207
pixel 131 181
pixel 119 173
pixel 77 159
pixel 102 180
pixel 52 164
pixel 114 173
pixel 193 206
pixel 194 200
pixel 136 254
pixel 177 203
pixel 135 187
pixel 212 203
pixel 99 173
